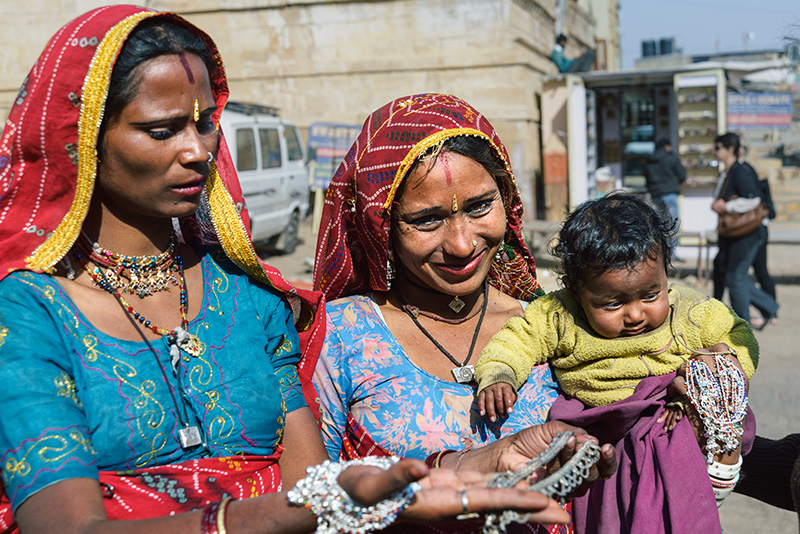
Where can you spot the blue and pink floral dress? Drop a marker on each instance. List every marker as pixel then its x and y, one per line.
pixel 364 373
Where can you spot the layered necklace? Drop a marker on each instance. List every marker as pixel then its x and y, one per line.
pixel 456 304
pixel 462 373
pixel 135 275
pixel 140 275
pixel 143 276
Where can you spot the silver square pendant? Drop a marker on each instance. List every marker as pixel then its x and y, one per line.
pixel 464 375
pixel 190 437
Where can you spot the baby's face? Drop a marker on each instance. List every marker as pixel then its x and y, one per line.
pixel 627 302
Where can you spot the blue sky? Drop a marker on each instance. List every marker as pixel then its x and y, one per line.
pixel 706 26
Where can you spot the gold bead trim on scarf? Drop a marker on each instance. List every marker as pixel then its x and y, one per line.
pixel 93 96
pixel 431 140
pixel 233 237
pixel 229 227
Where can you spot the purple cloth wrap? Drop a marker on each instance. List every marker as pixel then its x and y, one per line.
pixel 661 484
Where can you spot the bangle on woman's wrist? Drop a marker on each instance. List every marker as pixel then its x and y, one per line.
pixel 213 519
pixel 434 461
pixel 336 511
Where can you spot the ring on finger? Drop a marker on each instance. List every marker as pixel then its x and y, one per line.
pixel 465 508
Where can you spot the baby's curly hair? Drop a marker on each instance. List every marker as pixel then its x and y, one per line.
pixel 617 231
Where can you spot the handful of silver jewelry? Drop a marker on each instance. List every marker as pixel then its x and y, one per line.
pixel 558 485
pixel 336 511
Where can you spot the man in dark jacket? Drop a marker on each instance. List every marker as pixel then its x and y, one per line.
pixel 665 174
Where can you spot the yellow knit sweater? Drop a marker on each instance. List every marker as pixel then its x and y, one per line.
pixel 597 370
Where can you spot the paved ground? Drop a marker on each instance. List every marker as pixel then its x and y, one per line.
pixel 774 392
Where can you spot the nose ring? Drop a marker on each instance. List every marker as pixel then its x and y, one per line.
pixel 210 158
pixel 474 243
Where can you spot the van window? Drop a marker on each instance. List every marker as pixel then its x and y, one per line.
pixel 270 148
pixel 245 150
pixel 292 143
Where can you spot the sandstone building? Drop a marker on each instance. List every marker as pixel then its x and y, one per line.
pixel 337 60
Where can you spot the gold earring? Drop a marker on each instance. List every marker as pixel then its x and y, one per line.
pixel 196 111
pixel 455 204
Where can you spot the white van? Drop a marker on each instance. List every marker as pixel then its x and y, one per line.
pixel 270 159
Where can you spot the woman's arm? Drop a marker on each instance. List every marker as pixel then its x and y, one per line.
pixel 302 446
pixel 76 505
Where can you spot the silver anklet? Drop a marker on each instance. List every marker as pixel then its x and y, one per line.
pixel 336 511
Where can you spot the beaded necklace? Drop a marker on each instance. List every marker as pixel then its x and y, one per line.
pixel 720 400
pixel 139 275
pixel 186 341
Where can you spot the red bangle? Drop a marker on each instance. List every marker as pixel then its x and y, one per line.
pixel 213 520
pixel 435 459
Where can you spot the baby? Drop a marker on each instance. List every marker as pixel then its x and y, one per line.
pixel 616 321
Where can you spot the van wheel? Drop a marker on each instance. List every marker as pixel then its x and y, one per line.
pixel 290 235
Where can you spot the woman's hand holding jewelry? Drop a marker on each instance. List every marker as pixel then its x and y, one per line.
pixel 443 492
pixel 532 441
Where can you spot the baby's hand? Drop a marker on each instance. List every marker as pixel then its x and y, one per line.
pixel 672 414
pixel 674 410
pixel 497 399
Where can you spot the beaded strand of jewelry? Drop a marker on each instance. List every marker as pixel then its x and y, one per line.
pixel 720 400
pixel 187 342
pixel 139 275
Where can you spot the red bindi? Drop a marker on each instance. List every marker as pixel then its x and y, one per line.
pixel 186 67
pixel 446 169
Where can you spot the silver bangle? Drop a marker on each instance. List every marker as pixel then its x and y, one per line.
pixel 336 511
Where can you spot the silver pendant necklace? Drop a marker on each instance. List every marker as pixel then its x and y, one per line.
pixel 462 373
pixel 188 435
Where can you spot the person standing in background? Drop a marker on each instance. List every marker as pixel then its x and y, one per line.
pixel 664 174
pixel 764 279
pixel 737 191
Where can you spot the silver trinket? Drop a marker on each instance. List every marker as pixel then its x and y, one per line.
pixel 463 375
pixel 190 437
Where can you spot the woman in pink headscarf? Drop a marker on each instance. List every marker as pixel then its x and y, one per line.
pixel 422 261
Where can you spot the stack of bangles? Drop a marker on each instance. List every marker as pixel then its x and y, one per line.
pixel 213 520
pixel 336 511
pixel 434 461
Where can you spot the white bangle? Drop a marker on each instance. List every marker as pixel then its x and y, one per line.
pixel 336 511
pixel 723 479
pixel 724 471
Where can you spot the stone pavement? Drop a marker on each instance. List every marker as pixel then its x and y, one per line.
pixel 774 391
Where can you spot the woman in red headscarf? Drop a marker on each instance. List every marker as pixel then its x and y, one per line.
pixel 151 363
pixel 422 261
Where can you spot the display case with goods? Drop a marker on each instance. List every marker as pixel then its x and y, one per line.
pixel 700 115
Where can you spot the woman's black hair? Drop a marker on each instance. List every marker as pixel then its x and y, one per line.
pixel 150 39
pixel 729 140
pixel 617 231
pixel 473 147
